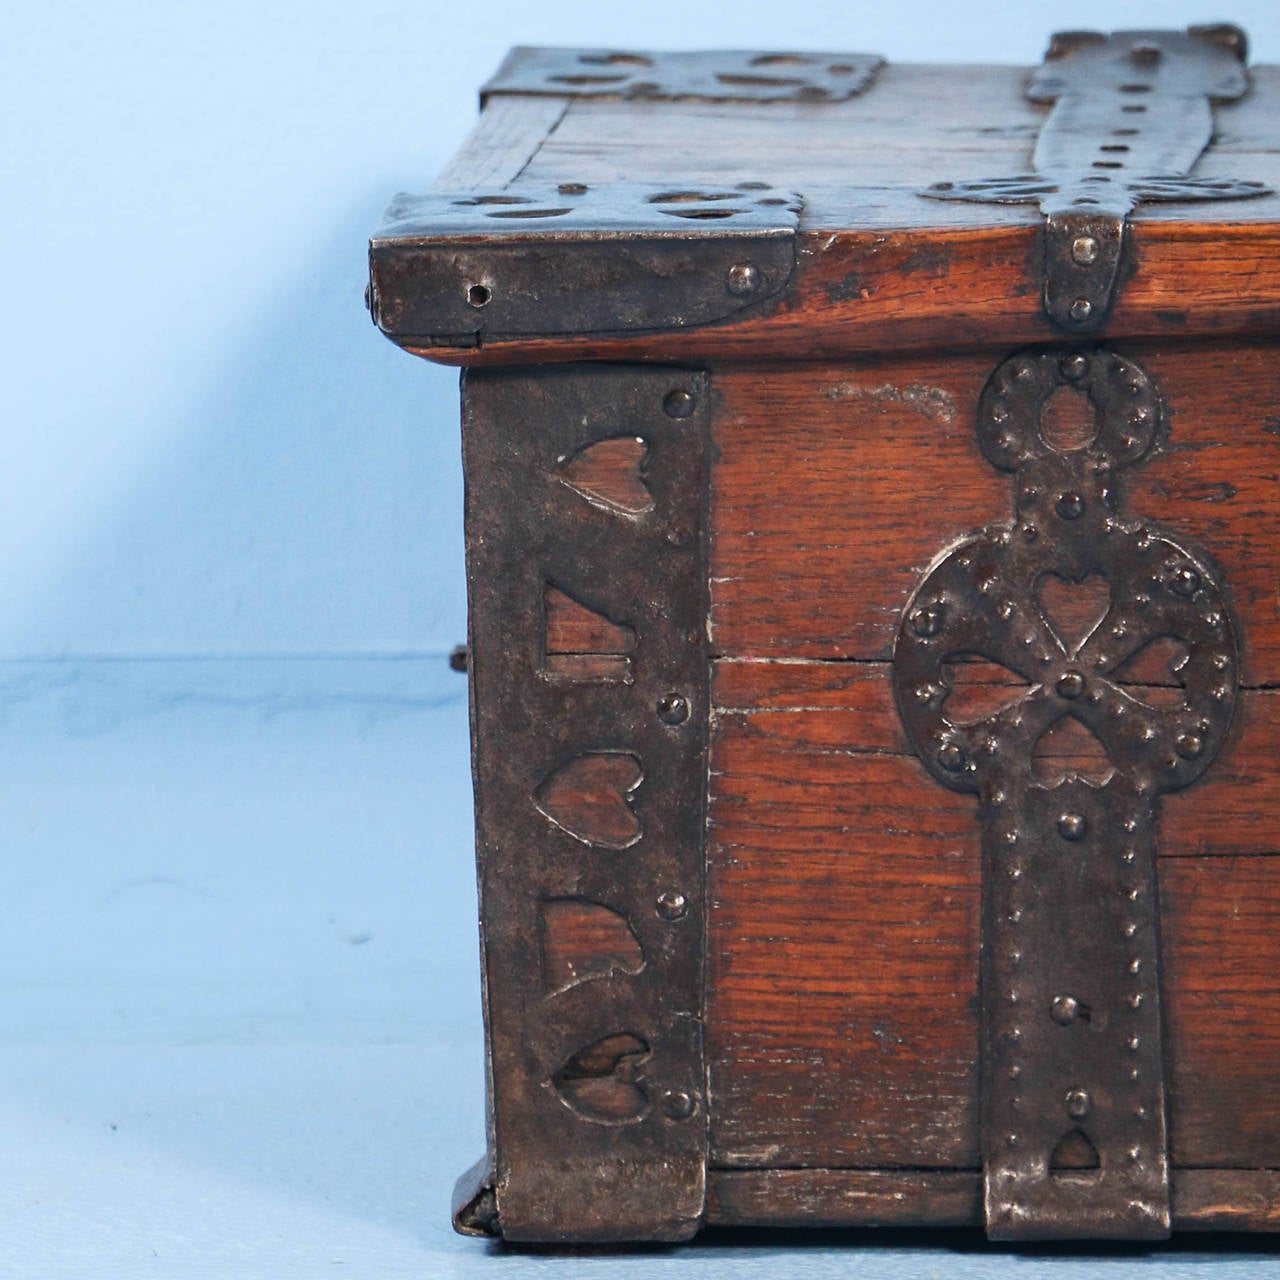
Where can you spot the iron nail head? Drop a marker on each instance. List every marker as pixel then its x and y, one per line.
pixel 679 403
pixel 673 708
pixel 743 279
pixel 672 904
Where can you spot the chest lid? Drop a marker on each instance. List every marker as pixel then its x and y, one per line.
pixel 740 205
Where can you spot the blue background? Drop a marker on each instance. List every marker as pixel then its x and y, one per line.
pixel 239 1027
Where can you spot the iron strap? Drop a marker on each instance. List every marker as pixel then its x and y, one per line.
pixel 1132 113
pixel 1074 1126
pixel 598 1106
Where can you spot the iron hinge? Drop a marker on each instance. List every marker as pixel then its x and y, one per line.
pixel 1132 113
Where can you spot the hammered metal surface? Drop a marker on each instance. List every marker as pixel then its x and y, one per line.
pixel 1072 1055
pixel 714 76
pixel 1131 116
pixel 577 258
pixel 569 1164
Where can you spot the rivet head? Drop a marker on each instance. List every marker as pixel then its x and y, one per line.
pixel 679 403
pixel 743 279
pixel 1075 366
pixel 1064 1010
pixel 672 904
pixel 1084 250
pixel 1080 310
pixel 951 757
pixel 1070 684
pixel 1072 826
pixel 678 1104
pixel 926 621
pixel 673 708
pixel 1189 745
pixel 1144 54
pixel 1070 506
pixel 1185 581
pixel 1078 1103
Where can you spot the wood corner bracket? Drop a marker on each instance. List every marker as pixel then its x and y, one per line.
pixel 1132 114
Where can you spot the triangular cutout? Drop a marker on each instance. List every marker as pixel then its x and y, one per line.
pixel 611 472
pixel 1073 609
pixel 978 688
pixel 582 940
pixel 1154 674
pixel 590 797
pixel 1070 748
pixel 582 644
pixel 1074 1156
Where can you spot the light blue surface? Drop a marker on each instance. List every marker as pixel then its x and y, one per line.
pixel 239 1035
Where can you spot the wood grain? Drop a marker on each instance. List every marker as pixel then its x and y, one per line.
pixel 837 486
pixel 843 1013
pixel 1203 1199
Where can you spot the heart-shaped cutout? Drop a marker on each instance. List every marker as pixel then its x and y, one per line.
pixel 590 798
pixel 978 688
pixel 602 1081
pixel 1073 609
pixel 611 472
pixel 1154 674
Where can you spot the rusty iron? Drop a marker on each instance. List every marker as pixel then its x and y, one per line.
pixel 569 1161
pixel 1132 114
pixel 713 76
pixel 575 258
pixel 1074 1126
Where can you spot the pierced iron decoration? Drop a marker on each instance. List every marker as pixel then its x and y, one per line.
pixel 597 1114
pixel 1074 1128
pixel 578 258
pixel 713 76
pixel 1132 114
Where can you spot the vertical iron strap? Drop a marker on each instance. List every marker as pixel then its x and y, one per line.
pixel 598 1095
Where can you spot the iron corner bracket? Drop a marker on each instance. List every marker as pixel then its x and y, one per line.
pixel 475 1204
pixel 572 259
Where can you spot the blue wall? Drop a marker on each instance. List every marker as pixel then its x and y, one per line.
pixel 205 448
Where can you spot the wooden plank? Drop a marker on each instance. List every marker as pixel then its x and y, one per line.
pixel 502 143
pixel 837 485
pixel 843 936
pixel 1203 1199
pixel 882 287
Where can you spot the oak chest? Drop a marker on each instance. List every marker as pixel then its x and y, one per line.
pixel 873 536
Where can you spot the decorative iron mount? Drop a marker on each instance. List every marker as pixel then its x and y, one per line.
pixel 1132 115
pixel 1073 1121
pixel 712 76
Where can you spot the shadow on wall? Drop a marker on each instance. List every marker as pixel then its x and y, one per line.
pixel 308 500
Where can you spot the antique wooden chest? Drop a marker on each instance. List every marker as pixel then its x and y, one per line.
pixel 873 535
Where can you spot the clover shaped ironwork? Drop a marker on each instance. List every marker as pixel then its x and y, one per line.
pixel 1069 894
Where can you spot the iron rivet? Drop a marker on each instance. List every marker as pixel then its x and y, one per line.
pixel 1189 745
pixel 1075 366
pixel 927 620
pixel 678 1104
pixel 672 904
pixel 1081 310
pixel 951 757
pixel 572 188
pixel 1072 826
pixel 1070 684
pixel 1185 581
pixel 1145 55
pixel 679 403
pixel 1070 506
pixel 673 708
pixel 1064 1010
pixel 1084 250
pixel 1078 1103
pixel 743 279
